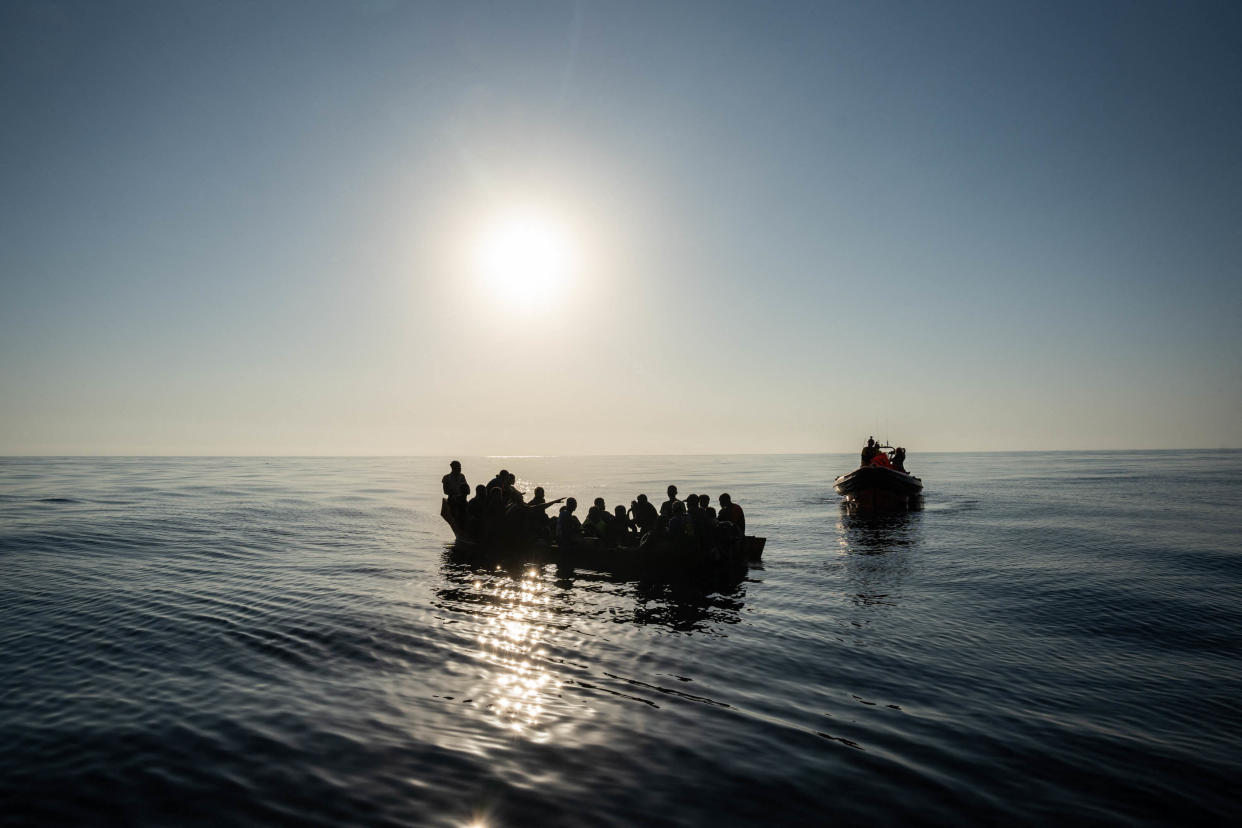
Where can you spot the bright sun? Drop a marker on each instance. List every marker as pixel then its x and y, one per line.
pixel 525 259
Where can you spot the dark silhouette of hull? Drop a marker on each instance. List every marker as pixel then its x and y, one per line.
pixel 876 487
pixel 653 556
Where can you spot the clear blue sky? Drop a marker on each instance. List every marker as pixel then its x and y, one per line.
pixel 246 228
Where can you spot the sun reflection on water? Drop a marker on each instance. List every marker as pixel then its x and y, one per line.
pixel 513 642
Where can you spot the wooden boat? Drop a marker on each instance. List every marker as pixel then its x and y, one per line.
pixel 651 555
pixel 879 487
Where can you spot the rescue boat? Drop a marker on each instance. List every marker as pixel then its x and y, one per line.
pixel 879 487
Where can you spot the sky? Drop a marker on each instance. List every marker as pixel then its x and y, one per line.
pixel 618 228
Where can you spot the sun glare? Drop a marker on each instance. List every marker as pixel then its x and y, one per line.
pixel 525 259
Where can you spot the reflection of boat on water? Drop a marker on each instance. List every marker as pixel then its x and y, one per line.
pixel 879 484
pixel 654 557
pixel 876 548
pixel 871 532
pixel 695 601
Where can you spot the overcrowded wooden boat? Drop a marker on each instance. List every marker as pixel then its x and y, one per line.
pixel 649 555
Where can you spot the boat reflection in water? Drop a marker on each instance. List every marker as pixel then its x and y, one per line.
pixel 876 548
pixel 679 600
pixel 684 605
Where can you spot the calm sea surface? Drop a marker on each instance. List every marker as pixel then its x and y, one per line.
pixel 1054 638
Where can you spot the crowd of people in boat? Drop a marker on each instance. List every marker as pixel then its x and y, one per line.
pixel 873 455
pixel 499 513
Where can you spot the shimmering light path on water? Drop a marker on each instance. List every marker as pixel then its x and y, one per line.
pixel 251 641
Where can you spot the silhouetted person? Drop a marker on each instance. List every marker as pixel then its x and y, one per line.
pixel 595 514
pixel 693 520
pixel 515 522
pixel 493 514
pixel 645 514
pixel 705 504
pixel 539 524
pixel 475 510
pixel 731 512
pixel 514 495
pixel 620 528
pixel 597 519
pixel 454 484
pixel 899 459
pixel 498 482
pixel 666 508
pixel 453 481
pixel 568 527
pixel 704 523
pixel 869 451
pixel 677 522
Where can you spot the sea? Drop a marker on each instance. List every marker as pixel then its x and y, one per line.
pixel 1051 638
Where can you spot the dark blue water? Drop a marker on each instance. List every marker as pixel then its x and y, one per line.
pixel 1055 637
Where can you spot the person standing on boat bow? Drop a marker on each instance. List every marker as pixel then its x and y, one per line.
pixel 454 480
pixel 454 483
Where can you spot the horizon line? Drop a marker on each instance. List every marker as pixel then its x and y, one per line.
pixel 571 455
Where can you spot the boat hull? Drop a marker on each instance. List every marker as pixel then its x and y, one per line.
pixel 654 556
pixel 879 488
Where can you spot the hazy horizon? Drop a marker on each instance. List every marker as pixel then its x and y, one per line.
pixel 551 228
pixel 447 457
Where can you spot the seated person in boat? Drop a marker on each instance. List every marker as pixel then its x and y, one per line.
pixel 676 527
pixel 644 514
pixel 620 530
pixel 459 505
pixel 693 517
pixel 704 523
pixel 540 525
pixel 597 520
pixel 899 459
pixel 732 513
pixel 475 510
pixel 514 495
pixel 508 488
pixel 568 527
pixel 493 516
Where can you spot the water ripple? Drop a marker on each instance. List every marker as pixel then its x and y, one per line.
pixel 256 641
